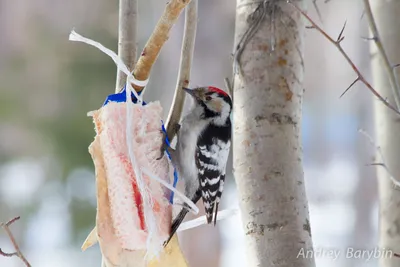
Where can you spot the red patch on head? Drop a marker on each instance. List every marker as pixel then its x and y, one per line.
pixel 217 90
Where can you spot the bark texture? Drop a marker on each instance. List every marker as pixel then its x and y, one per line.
pixel 127 37
pixel 267 151
pixel 387 129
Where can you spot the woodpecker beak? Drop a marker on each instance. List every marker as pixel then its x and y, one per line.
pixel 187 90
pixel 190 92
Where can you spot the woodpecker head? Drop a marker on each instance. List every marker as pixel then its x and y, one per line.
pixel 212 101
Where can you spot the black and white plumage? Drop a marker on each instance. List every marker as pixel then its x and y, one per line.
pixel 202 149
pixel 211 157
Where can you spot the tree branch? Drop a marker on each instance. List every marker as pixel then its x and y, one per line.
pixel 317 10
pixel 337 44
pixel 127 37
pixel 377 40
pixel 255 20
pixel 157 39
pixel 380 153
pixel 187 50
pixel 17 252
pixel 229 86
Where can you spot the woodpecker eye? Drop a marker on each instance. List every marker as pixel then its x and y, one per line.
pixel 208 98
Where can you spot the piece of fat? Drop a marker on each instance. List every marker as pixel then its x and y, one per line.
pixel 120 223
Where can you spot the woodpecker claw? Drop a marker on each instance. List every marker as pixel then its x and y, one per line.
pixel 164 145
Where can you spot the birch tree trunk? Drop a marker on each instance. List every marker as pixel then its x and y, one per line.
pixel 267 151
pixel 387 129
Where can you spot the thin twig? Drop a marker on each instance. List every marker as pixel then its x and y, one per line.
pixel 157 39
pixel 17 252
pixel 187 51
pixel 228 86
pixel 380 153
pixel 254 21
pixel 127 37
pixel 337 44
pixel 378 42
pixel 317 10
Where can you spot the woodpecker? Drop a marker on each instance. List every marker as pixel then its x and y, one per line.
pixel 202 149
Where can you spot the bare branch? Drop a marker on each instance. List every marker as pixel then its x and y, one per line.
pixel 368 38
pixel 254 21
pixel 348 88
pixel 380 153
pixel 17 252
pixel 396 65
pixel 184 67
pixel 317 10
pixel 341 37
pixel 388 66
pixel 337 44
pixel 5 254
pixel 157 39
pixel 229 86
pixel 127 38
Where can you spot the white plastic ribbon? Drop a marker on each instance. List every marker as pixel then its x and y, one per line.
pixel 153 246
pixel 223 214
pixel 190 203
pixel 74 36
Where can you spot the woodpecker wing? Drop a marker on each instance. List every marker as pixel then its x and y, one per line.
pixel 211 157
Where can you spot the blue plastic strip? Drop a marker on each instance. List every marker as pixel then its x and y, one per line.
pixel 171 199
pixel 121 97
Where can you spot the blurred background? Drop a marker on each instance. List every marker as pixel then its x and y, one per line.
pixel 48 84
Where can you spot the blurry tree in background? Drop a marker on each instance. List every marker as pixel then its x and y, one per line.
pixel 386 14
pixel 47 100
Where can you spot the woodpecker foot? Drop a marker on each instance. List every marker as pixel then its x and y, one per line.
pixel 164 145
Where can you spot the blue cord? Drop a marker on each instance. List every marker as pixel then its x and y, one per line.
pixel 121 97
pixel 171 199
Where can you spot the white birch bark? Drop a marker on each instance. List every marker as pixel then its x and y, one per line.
pixel 267 151
pixel 127 37
pixel 387 129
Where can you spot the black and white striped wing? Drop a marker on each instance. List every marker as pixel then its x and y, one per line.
pixel 211 161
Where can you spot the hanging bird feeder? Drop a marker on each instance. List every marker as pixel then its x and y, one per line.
pixel 135 191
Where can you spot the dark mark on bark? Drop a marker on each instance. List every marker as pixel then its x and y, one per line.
pixel 255 213
pixel 260 118
pixel 307 227
pixel 277 172
pixel 277 118
pixel 275 226
pixel 259 229
pixel 254 228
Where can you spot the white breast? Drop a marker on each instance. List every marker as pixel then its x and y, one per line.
pixel 191 128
